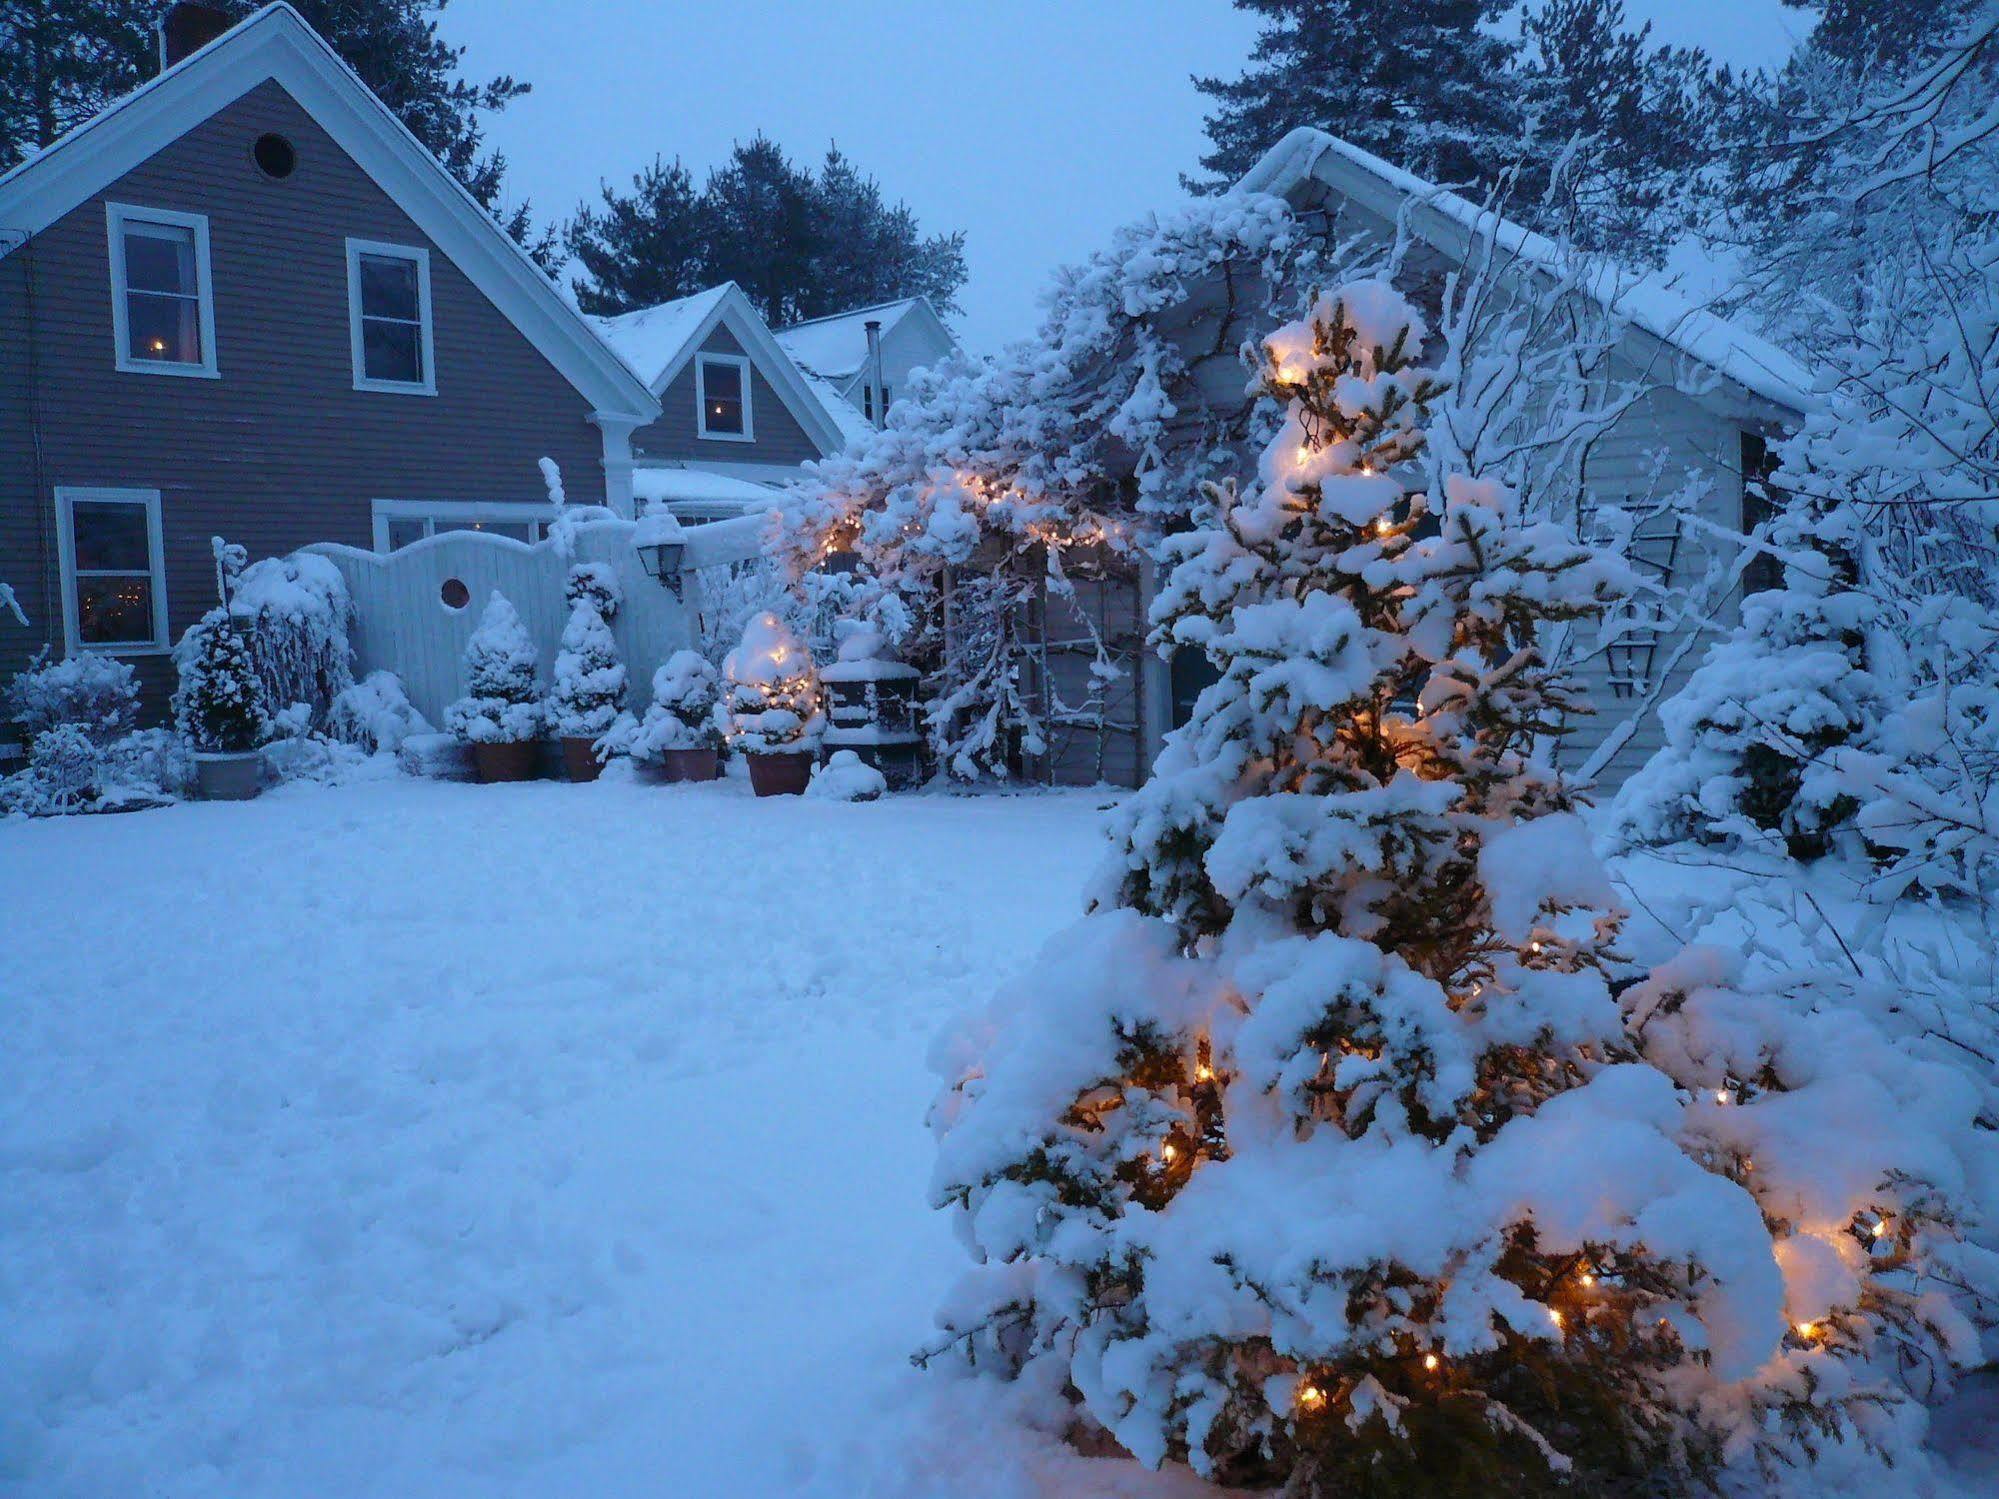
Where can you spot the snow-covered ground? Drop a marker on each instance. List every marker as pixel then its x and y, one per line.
pixel 415 1138
pixel 410 1138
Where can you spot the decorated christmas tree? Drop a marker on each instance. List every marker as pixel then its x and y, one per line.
pixel 501 704
pixel 774 695
pixel 1320 1153
pixel 219 704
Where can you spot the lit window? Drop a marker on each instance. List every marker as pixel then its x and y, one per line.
pixel 401 523
pixel 722 396
pixel 388 311
pixel 162 296
pixel 114 583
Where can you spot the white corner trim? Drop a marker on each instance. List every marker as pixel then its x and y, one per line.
pixel 618 461
pixel 68 495
pixel 357 351
pixel 116 217
pixel 742 363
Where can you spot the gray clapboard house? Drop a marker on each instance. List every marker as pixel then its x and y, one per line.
pixel 245 301
pixel 1715 395
pixel 869 354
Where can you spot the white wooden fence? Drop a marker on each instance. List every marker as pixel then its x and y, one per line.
pixel 415 608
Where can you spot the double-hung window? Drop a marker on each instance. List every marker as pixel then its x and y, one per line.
pixel 114 584
pixel 162 294
pixel 722 396
pixel 388 317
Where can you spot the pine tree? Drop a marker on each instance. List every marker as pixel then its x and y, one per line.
pixel 219 704
pixel 63 60
pixel 1425 84
pixel 774 697
pixel 589 677
pixel 1301 1159
pixel 800 245
pixel 501 704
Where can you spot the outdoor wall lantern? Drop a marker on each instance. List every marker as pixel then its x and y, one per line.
pixel 661 560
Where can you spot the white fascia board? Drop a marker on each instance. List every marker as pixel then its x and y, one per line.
pixel 276 44
pixel 733 309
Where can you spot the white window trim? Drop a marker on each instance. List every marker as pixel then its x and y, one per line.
pixel 356 248
pixel 701 363
pixel 116 216
pixel 68 496
pixel 430 512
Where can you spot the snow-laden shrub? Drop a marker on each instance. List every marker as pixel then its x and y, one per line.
pixel 589 678
pixel 597 582
pixel 150 762
pixel 501 704
pixel 846 777
pixel 64 775
pixel 299 619
pixel 1320 1155
pixel 97 694
pixel 375 714
pixel 219 705
pixel 684 712
pixel 774 697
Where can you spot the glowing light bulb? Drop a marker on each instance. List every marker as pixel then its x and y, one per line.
pixel 1588 1279
pixel 1430 1361
pixel 1721 1095
pixel 1311 1396
pixel 1880 1228
pixel 1204 1073
pixel 1806 1329
pixel 1168 1152
pixel 1554 1316
pixel 1383 526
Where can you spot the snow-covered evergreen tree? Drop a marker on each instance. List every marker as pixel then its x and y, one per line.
pixel 1319 1155
pixel 501 703
pixel 774 696
pixel 219 704
pixel 686 694
pixel 590 678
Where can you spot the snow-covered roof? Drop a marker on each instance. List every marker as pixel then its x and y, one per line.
pixel 854 426
pixel 837 346
pixel 653 338
pixel 675 485
pixel 277 44
pixel 1752 362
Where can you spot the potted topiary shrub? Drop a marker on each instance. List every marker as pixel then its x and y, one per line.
pixel 219 709
pixel 500 716
pixel 589 677
pixel 681 732
pixel 774 706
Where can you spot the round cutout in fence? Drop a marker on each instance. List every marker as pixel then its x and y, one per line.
pixel 275 156
pixel 455 594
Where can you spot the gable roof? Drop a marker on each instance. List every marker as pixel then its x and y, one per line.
pixel 276 44
pixel 657 342
pixel 1450 222
pixel 836 346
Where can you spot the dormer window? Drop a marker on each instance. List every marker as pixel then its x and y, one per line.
pixel 388 318
pixel 162 295
pixel 722 396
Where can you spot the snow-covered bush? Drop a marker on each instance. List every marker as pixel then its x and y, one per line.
pixel 375 714
pixel 589 677
pixel 774 697
pixel 96 694
pixel 64 775
pixel 1320 1154
pixel 846 777
pixel 597 582
pixel 219 705
pixel 297 617
pixel 994 479
pixel 501 704
pixel 686 694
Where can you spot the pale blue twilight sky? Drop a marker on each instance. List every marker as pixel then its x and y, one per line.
pixel 1038 126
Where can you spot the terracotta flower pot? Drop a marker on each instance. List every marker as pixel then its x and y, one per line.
pixel 691 764
pixel 504 762
pixel 579 758
pixel 785 774
pixel 224 777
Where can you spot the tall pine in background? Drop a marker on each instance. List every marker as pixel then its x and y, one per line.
pixel 1423 83
pixel 61 61
pixel 800 243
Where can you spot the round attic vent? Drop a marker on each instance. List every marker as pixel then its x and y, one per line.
pixel 275 156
